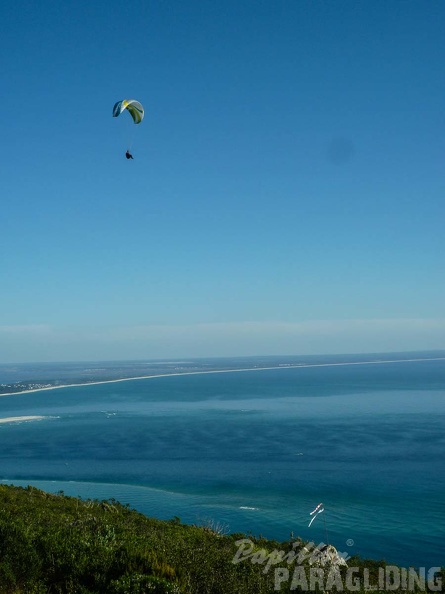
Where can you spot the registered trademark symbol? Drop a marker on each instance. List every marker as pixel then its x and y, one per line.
pixel 350 542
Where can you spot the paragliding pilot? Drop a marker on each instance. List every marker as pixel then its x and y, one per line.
pixel 135 110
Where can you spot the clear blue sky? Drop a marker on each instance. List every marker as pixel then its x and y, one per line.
pixel 286 195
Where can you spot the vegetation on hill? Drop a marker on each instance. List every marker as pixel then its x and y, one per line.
pixel 64 545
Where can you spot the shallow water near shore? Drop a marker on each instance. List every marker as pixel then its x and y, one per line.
pixel 253 452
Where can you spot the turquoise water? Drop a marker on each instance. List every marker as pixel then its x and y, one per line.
pixel 254 451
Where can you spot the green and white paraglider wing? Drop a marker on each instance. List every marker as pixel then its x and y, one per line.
pixel 133 107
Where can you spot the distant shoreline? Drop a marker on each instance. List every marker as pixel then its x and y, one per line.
pixel 206 372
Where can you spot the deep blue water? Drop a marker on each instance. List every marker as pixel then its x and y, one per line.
pixel 254 451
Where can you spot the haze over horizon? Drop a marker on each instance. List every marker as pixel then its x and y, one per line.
pixel 286 195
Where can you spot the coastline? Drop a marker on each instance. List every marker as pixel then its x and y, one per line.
pixel 206 372
pixel 349 435
pixel 252 514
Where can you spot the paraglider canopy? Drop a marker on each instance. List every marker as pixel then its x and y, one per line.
pixel 133 107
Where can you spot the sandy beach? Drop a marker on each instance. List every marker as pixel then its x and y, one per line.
pixel 20 419
pixel 205 372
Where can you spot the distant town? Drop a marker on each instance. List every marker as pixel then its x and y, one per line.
pixel 25 387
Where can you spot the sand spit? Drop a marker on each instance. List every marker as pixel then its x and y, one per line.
pixel 20 419
pixel 282 366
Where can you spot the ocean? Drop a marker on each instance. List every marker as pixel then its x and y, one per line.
pixel 251 451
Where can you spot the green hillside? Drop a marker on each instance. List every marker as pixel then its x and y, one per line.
pixel 59 544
